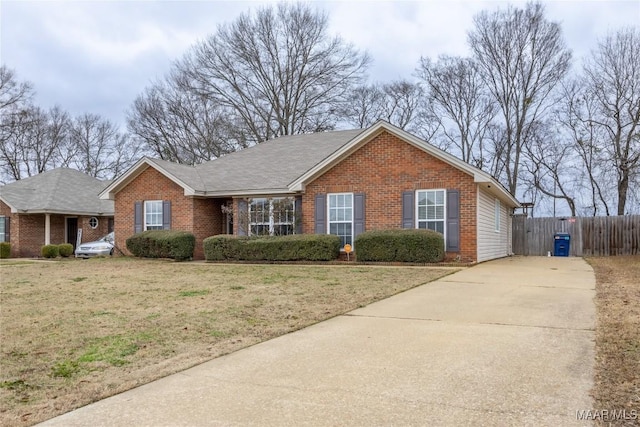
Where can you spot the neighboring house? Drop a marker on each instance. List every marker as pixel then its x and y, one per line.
pixel 49 208
pixel 342 182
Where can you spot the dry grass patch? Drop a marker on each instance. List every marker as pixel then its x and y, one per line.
pixel 73 332
pixel 617 370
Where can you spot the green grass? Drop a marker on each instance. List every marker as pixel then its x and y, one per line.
pixel 197 293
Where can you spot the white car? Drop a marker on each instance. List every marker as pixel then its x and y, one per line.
pixel 101 247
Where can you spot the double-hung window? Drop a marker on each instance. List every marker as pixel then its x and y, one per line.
pixel 273 217
pixel 153 215
pixel 340 208
pixel 282 216
pixel 259 216
pixel 431 210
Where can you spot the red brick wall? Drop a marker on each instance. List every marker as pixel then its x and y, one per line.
pixel 27 231
pixel 384 168
pixel 5 211
pixel 202 217
pixel 89 234
pixel 207 221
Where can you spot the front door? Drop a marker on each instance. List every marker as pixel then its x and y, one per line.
pixel 72 231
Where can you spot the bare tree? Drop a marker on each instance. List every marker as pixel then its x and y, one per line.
pixel 552 168
pixel 13 92
pixel 278 71
pixel 98 147
pixel 399 102
pixel 15 102
pixel 462 105
pixel 612 81
pixel 36 144
pixel 521 57
pixel 364 106
pixel 403 103
pixel 178 124
pixel 574 112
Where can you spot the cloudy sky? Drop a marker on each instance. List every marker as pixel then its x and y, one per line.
pixel 97 56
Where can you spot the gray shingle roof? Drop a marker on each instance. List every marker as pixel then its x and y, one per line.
pixel 59 190
pixel 272 165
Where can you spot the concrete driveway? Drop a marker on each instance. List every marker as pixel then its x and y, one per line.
pixel 507 342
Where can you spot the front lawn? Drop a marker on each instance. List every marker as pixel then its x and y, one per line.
pixel 76 331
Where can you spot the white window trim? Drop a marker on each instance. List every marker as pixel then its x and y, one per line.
pixel 328 214
pixel 144 214
pixel 444 219
pixel 97 223
pixel 497 212
pixel 272 223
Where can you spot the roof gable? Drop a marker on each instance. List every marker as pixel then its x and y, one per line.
pixel 380 126
pixel 185 176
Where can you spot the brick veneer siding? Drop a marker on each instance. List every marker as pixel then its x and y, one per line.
pixel 384 168
pixel 27 230
pixel 202 217
pixel 5 211
pixel 92 234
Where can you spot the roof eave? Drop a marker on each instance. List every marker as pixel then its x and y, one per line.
pixel 6 202
pixel 62 212
pixel 495 188
pixel 243 193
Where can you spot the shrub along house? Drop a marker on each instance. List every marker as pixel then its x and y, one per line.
pixel 341 182
pixel 49 208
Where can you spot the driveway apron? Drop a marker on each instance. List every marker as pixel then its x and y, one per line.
pixel 506 342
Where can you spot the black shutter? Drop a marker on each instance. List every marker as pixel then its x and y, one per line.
pixel 358 214
pixel 137 217
pixel 297 214
pixel 321 214
pixel 453 221
pixel 7 229
pixel 166 215
pixel 243 217
pixel 408 198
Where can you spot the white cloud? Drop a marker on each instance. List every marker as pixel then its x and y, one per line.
pixel 99 55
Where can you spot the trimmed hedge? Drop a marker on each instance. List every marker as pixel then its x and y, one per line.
pixel 5 250
pixel 178 245
pixel 50 251
pixel 295 247
pixel 65 249
pixel 419 246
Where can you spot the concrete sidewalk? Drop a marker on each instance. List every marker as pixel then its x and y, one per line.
pixel 507 342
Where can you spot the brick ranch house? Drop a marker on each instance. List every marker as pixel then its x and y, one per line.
pixel 341 182
pixel 49 208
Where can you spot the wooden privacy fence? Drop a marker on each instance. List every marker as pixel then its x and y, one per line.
pixel 590 236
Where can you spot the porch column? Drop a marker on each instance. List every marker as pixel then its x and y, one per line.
pixel 47 229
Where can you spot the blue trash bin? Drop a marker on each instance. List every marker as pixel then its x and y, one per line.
pixel 561 244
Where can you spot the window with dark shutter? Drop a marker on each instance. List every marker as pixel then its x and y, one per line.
pixel 320 214
pixel 453 221
pixel 407 209
pixel 166 215
pixel 243 214
pixel 298 214
pixel 358 214
pixel 137 217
